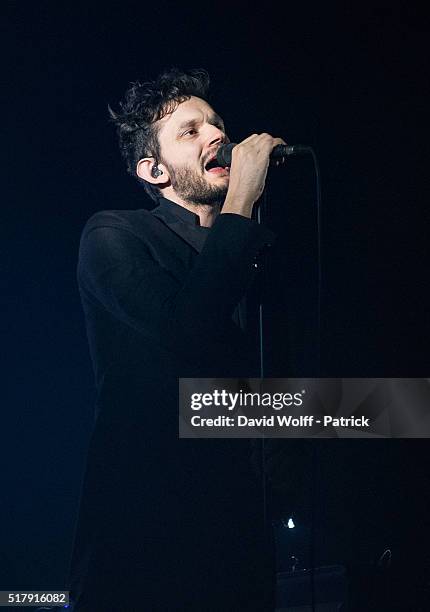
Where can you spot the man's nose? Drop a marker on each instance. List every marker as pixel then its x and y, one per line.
pixel 216 136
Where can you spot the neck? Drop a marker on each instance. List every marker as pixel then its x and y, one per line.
pixel 206 212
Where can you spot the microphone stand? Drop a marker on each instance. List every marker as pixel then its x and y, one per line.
pixel 261 211
pixel 263 205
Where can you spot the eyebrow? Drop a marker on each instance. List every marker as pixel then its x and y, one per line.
pixel 212 119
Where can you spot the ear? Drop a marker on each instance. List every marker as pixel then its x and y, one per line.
pixel 144 171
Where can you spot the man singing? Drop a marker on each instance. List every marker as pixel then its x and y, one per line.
pixel 164 523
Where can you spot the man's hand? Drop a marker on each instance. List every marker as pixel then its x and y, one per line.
pixel 248 171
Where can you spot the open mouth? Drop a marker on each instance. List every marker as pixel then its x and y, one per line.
pixel 213 167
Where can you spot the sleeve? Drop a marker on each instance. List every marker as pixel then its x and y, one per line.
pixel 118 271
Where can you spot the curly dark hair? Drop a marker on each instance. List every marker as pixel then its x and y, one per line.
pixel 146 103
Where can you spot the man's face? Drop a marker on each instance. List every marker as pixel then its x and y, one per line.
pixel 189 138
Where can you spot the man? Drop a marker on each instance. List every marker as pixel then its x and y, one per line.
pixel 169 524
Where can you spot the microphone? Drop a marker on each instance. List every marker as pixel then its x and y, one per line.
pixel 223 155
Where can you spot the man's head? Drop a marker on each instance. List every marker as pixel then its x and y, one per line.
pixel 168 133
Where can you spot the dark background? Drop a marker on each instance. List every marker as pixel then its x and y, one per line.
pixel 352 84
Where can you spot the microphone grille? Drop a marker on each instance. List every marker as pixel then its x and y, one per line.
pixel 224 154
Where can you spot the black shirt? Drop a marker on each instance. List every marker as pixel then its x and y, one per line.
pixel 184 518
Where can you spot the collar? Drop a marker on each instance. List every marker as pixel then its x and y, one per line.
pixel 183 222
pixel 171 209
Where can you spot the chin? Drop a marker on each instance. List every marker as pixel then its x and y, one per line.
pixel 221 180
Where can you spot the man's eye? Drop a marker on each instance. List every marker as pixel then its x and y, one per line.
pixel 189 132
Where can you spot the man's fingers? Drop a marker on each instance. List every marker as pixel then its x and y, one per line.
pixel 264 137
pixel 250 138
pixel 272 142
pixel 278 141
pixel 263 144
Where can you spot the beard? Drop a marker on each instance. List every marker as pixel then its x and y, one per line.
pixel 193 188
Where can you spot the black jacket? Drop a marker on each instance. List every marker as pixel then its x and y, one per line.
pixel 179 521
